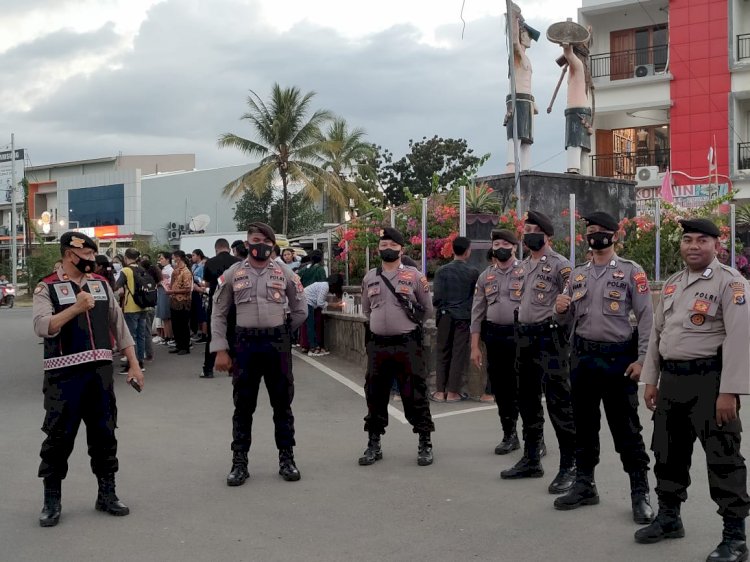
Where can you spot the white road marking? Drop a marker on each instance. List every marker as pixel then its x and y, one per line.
pixel 464 411
pixel 394 412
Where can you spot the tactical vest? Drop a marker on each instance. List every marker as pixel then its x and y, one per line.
pixel 86 338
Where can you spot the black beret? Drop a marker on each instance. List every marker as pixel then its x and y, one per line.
pixel 605 220
pixel 264 229
pixel 504 234
pixel 542 221
pixel 392 234
pixel 73 239
pixel 701 226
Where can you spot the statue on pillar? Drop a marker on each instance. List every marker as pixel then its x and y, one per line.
pixel 574 39
pixel 525 109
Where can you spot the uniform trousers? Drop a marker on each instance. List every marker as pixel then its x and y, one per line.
pixel 597 377
pixel 399 357
pixel 500 342
pixel 267 355
pixel 686 410
pixel 542 366
pixel 453 351
pixel 71 395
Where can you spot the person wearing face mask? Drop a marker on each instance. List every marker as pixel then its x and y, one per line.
pixel 396 300
pixel 75 311
pixel 542 357
pixel 696 368
pixel 496 299
pixel 117 267
pixel 261 290
pixel 606 361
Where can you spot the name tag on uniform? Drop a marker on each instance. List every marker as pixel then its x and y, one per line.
pixel 97 290
pixel 65 293
pixel 280 285
pixel 241 284
pixel 403 289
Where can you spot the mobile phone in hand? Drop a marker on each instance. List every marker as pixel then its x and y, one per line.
pixel 134 384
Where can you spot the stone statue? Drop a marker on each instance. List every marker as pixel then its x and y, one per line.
pixel 525 108
pixel 578 115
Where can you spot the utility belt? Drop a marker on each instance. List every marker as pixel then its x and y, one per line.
pixel 245 334
pixel 599 347
pixel 400 339
pixel 492 330
pixel 692 366
pixel 548 327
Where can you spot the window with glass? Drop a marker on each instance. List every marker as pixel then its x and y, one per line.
pixel 103 205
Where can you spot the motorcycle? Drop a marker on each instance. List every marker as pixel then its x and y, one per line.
pixel 7 295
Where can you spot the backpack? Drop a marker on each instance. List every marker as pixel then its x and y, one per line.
pixel 144 293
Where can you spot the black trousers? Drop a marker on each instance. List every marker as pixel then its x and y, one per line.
pixel 453 352
pixel 501 372
pixel 401 358
pixel 597 376
pixel 542 366
pixel 268 358
pixel 84 393
pixel 686 410
pixel 181 328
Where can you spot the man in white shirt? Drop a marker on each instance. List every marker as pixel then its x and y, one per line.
pixel 317 299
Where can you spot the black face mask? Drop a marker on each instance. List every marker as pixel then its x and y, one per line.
pixel 389 256
pixel 84 265
pixel 600 240
pixel 534 241
pixel 260 252
pixel 502 254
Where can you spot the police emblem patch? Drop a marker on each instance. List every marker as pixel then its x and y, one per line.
pixel 739 298
pixel 619 274
pixel 698 319
pixel 580 277
pixel 669 290
pixel 547 269
pixel 614 306
pixel 701 306
pixel 540 297
pixel 615 294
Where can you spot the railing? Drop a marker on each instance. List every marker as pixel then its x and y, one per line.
pixel 743 46
pixel 623 165
pixel 623 64
pixel 743 156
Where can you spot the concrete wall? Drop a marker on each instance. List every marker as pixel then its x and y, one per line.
pixel 157 163
pixel 177 197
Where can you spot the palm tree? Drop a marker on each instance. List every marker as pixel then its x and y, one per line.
pixel 287 144
pixel 346 157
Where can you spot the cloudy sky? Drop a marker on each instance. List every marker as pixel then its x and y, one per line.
pixel 91 78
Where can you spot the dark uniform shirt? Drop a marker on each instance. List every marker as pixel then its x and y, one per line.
pixel 453 289
pixel 215 267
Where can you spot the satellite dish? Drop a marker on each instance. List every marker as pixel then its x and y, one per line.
pixel 199 223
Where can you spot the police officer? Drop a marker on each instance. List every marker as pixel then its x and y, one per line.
pixel 606 362
pixel 496 299
pixel 698 354
pixel 542 356
pixel 259 288
pixel 396 299
pixel 75 311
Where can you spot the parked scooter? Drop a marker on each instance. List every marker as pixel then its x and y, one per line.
pixel 7 295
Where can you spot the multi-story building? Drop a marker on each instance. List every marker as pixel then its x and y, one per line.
pixel 671 84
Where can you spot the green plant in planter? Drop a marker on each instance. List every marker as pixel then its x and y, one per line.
pixel 479 200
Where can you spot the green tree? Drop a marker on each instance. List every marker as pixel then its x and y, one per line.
pixel 447 159
pixel 287 144
pixel 268 207
pixel 349 160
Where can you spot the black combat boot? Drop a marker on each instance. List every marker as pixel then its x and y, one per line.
pixel 509 443
pixel 424 450
pixel 239 473
pixel 528 467
pixel 565 477
pixel 50 515
pixel 582 493
pixel 639 498
pixel 287 468
pixel 373 453
pixel 732 547
pixel 666 525
pixel 106 499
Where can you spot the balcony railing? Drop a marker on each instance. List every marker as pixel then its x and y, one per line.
pixel 623 165
pixel 629 64
pixel 743 156
pixel 743 46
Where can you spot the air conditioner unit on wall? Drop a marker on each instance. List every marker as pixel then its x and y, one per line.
pixel 173 234
pixel 647 176
pixel 642 70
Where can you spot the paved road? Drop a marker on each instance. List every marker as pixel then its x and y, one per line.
pixel 174 456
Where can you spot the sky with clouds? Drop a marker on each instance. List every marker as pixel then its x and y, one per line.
pixel 91 78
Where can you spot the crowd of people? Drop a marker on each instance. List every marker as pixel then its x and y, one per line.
pixel 582 337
